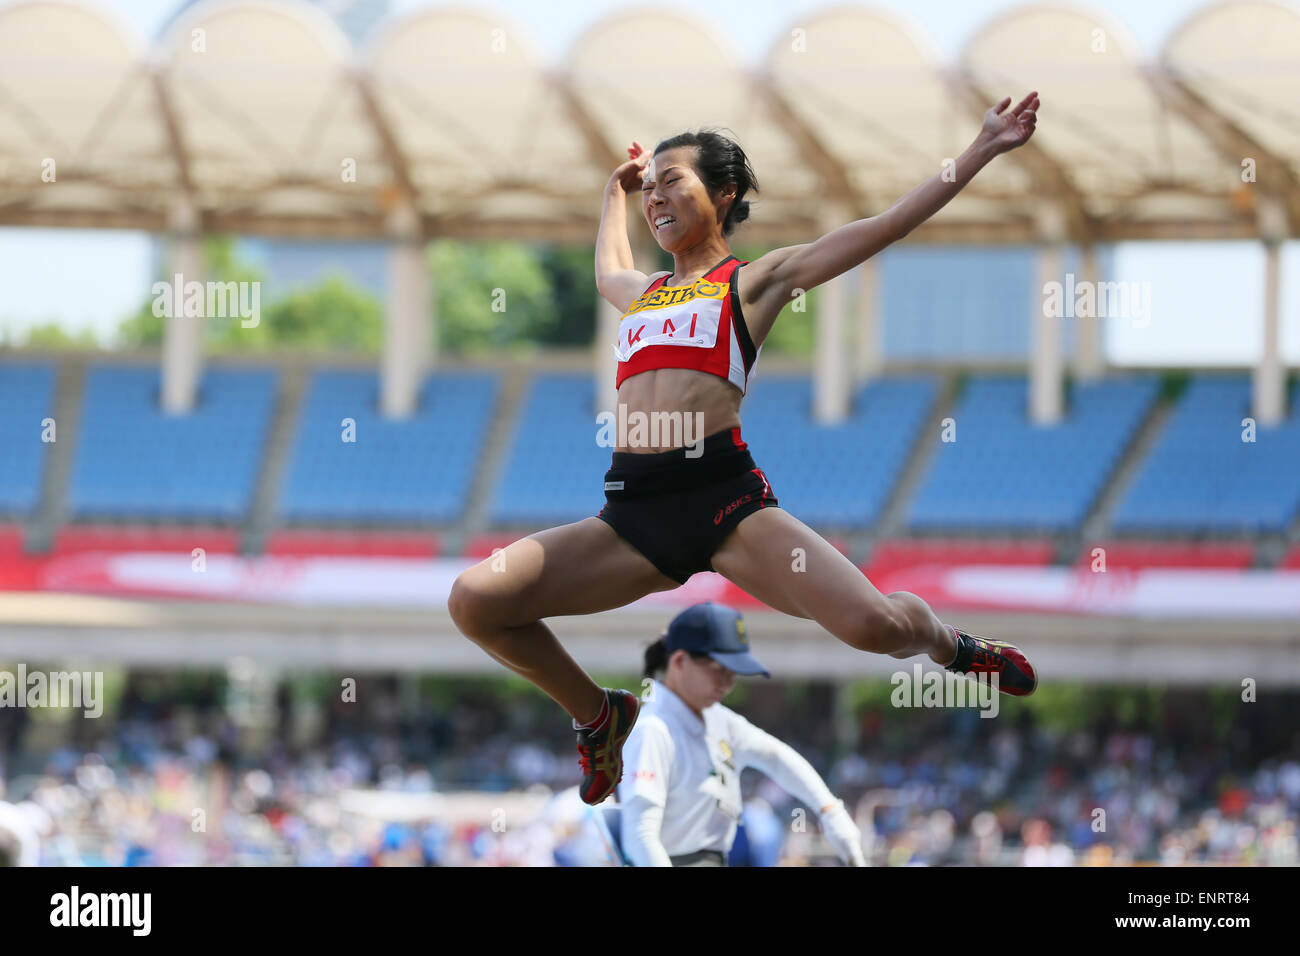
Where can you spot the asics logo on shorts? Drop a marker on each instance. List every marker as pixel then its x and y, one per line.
pixel 723 512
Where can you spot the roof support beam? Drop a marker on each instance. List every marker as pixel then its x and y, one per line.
pixel 396 159
pixel 1268 399
pixel 835 178
pixel 1273 175
pixel 599 152
pixel 182 346
pixel 1046 361
pixel 180 152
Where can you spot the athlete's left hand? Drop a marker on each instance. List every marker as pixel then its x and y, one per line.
pixel 630 174
pixel 843 835
pixel 1007 129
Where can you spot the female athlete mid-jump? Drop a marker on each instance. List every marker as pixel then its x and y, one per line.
pixel 673 508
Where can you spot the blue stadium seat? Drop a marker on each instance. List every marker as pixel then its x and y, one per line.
pixel 26 398
pixel 826 475
pixel 1202 477
pixel 1005 473
pixel 133 460
pixel 555 469
pixel 835 475
pixel 415 469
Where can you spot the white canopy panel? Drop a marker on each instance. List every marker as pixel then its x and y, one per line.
pixel 260 117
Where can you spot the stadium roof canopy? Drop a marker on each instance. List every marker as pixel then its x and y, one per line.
pixel 260 117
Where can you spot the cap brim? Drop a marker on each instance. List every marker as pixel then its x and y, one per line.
pixel 742 662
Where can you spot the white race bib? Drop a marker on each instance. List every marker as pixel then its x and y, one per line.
pixel 690 322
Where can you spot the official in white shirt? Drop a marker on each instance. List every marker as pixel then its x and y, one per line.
pixel 680 792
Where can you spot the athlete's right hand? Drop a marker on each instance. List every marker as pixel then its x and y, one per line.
pixel 628 176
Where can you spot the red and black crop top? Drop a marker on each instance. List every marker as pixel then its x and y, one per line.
pixel 697 326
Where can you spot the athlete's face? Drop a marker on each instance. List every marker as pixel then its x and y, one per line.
pixel 701 682
pixel 672 188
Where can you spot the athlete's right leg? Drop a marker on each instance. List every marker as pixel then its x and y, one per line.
pixel 825 586
pixel 577 568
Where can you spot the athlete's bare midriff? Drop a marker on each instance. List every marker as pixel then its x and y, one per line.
pixel 676 395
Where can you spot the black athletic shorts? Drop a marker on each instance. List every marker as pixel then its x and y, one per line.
pixel 675 509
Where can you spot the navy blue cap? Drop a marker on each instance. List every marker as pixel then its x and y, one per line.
pixel 718 631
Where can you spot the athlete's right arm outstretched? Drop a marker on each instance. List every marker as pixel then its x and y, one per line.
pixel 771 281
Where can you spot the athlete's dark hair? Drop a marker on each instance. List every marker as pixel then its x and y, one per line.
pixel 719 161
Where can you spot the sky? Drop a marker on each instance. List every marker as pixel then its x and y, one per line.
pixel 1213 319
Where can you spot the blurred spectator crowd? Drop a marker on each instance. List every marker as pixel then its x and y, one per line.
pixel 174 782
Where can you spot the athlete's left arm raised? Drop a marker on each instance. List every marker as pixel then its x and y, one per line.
pixel 772 280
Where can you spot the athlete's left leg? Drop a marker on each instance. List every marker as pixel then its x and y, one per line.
pixel 775 557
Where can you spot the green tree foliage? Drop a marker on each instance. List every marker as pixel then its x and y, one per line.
pixel 144 329
pixel 333 314
pixel 573 280
pixel 51 335
pixel 490 296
